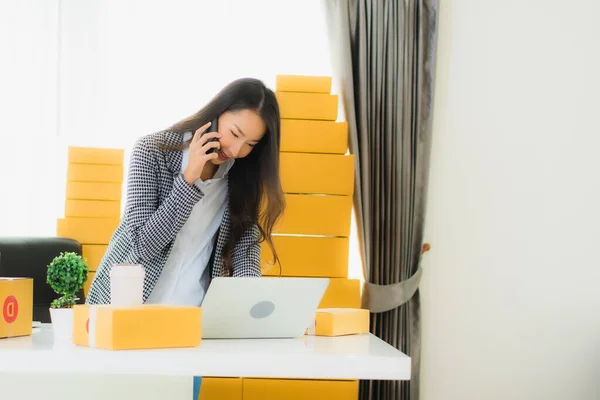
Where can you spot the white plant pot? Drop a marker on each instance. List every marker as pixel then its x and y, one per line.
pixel 62 324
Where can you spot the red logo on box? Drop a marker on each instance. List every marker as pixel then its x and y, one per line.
pixel 10 309
pixel 87 325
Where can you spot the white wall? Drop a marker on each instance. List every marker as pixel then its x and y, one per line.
pixel 129 68
pixel 511 308
pixel 28 115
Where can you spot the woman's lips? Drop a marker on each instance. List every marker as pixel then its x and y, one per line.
pixel 222 156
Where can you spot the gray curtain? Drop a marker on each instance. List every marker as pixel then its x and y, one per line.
pixel 383 53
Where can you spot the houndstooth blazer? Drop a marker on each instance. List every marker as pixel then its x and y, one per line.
pixel 159 201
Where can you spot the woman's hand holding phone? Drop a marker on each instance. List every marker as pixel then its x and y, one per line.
pixel 199 146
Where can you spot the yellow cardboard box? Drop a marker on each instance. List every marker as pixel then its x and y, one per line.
pixel 340 322
pixel 307 136
pixel 92 155
pixel 142 327
pixel 303 83
pixel 299 389
pixel 92 208
pixel 87 230
pixel 16 307
pixel 325 257
pixel 93 254
pixel 317 173
pixel 88 283
pixel 95 173
pixel 342 293
pixel 94 191
pixel 316 215
pixel 220 389
pixel 308 105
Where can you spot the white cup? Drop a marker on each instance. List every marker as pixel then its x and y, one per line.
pixel 126 285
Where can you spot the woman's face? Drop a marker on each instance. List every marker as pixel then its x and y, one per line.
pixel 240 131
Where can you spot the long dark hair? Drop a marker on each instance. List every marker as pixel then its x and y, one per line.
pixel 254 187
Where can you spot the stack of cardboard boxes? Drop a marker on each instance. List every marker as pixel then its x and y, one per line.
pixel 93 201
pixel 312 238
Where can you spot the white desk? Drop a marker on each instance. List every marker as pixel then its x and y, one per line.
pixel 309 357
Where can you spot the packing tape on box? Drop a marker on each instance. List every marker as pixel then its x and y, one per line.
pixel 92 326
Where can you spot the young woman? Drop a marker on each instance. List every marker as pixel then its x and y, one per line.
pixel 194 213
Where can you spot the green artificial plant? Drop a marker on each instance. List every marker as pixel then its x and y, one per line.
pixel 66 275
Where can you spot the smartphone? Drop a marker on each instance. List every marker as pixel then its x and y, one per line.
pixel 213 128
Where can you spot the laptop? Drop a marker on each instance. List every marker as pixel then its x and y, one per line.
pixel 243 308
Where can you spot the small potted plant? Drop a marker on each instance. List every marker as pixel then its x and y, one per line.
pixel 66 275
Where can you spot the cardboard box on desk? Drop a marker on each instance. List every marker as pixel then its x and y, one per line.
pixel 140 327
pixel 340 322
pixel 16 307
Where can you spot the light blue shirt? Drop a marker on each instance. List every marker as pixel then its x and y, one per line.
pixel 186 276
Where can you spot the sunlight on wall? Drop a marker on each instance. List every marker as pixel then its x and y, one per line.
pixel 355 267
